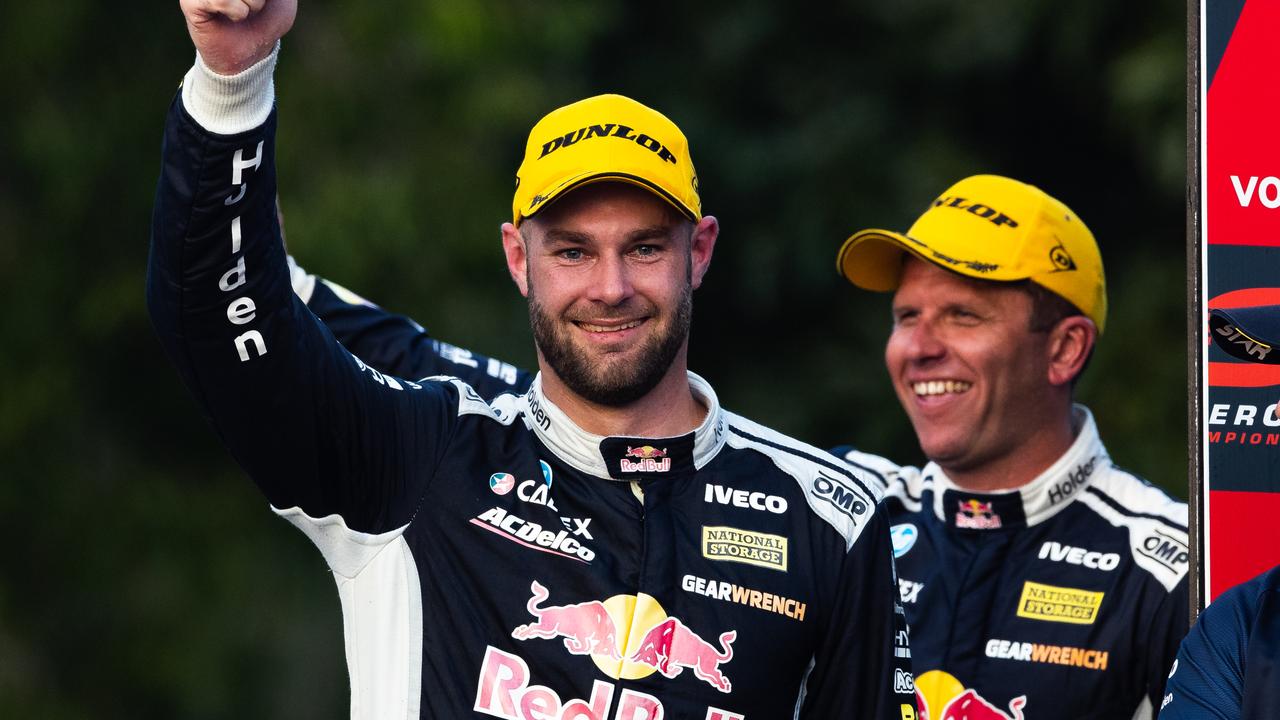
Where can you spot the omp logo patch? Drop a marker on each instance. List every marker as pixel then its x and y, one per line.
pixel 744 546
pixel 838 495
pixel 1059 604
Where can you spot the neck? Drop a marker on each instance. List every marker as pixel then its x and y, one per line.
pixel 1024 463
pixel 668 410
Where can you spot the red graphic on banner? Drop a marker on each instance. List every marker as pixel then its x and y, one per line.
pixel 1242 172
pixel 1244 543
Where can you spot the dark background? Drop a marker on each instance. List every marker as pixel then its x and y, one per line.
pixel 145 577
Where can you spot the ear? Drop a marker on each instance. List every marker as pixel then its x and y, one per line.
pixel 517 256
pixel 1070 342
pixel 701 246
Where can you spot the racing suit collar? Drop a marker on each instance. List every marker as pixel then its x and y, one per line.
pixel 626 458
pixel 1029 504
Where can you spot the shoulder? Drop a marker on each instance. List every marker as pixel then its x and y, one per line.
pixel 843 495
pixel 900 482
pixel 503 409
pixel 1155 521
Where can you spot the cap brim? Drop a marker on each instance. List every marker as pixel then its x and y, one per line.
pixel 872 259
pixel 1249 333
pixel 566 185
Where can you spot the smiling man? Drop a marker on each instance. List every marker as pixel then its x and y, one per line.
pixel 1039 579
pixel 610 544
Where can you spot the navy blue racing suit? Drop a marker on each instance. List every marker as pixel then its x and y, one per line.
pixel 1065 599
pixel 492 558
pixel 1228 667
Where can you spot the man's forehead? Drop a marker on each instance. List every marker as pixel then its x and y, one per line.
pixel 922 279
pixel 619 206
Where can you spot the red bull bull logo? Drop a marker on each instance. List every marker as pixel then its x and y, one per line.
pixel 666 645
pixel 976 515
pixel 942 697
pixel 586 627
pixel 647 459
pixel 670 647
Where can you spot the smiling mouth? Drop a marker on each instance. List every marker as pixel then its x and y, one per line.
pixel 930 388
pixel 604 329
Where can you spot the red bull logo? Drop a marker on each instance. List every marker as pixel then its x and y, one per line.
pixel 977 515
pixel 667 645
pixel 586 627
pixel 647 459
pixel 505 691
pixel 942 697
pixel 670 647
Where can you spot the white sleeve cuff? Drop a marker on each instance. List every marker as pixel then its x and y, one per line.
pixel 230 104
pixel 304 283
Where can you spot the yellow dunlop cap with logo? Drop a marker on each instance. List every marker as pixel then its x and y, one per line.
pixel 606 137
pixel 992 228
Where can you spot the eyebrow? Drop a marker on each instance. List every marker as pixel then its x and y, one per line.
pixel 561 235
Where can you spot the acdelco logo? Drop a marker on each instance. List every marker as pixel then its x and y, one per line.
pixel 743 499
pixel 532 535
pixel 608 130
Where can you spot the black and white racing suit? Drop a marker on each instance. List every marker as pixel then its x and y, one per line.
pixel 492 558
pixel 1065 598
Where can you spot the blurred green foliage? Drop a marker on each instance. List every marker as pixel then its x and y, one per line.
pixel 147 578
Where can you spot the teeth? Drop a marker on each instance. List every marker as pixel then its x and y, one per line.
pixel 940 387
pixel 608 328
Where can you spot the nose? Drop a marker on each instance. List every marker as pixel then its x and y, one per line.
pixel 611 281
pixel 919 342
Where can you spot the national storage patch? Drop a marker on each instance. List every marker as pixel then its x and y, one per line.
pixel 1059 604
pixel 744 546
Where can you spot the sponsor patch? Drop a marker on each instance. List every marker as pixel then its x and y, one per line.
pixel 532 535
pixel 728 592
pixel 838 495
pixel 903 538
pixel 741 498
pixel 1050 654
pixel 501 483
pixel 645 458
pixel 909 591
pixel 975 515
pixel 744 546
pixel 1059 604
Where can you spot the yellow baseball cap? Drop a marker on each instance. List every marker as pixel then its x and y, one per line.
pixel 993 228
pixel 606 137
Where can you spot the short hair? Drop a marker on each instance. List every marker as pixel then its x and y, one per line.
pixel 1048 308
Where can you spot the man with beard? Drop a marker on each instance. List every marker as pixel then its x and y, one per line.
pixel 609 544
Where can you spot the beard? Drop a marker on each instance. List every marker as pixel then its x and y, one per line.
pixel 623 380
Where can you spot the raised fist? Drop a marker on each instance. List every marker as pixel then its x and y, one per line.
pixel 231 35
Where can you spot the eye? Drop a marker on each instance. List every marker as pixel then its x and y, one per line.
pixel 903 316
pixel 646 251
pixel 965 316
pixel 571 254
